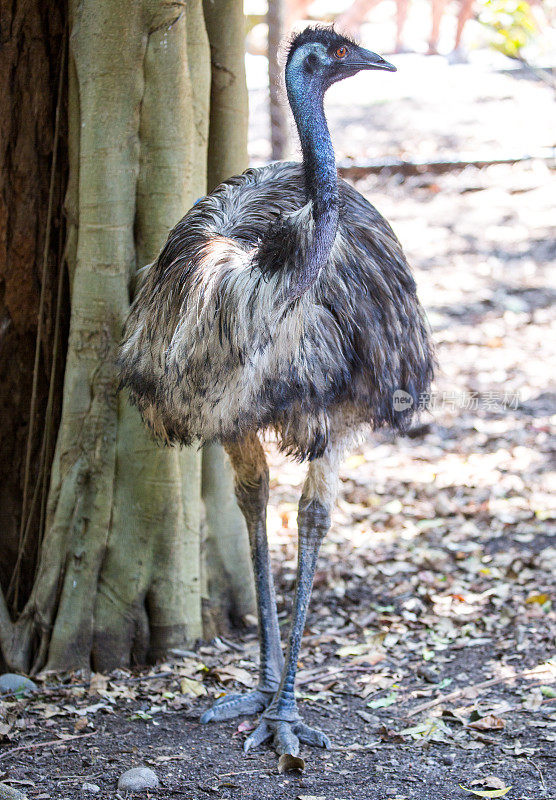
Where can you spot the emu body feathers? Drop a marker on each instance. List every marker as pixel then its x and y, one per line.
pixel 214 348
pixel 281 300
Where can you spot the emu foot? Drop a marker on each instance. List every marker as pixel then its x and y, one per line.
pixel 286 735
pixel 238 705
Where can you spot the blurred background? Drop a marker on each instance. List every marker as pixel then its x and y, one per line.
pixel 475 78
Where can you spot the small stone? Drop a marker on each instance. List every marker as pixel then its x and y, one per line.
pixel 427 674
pixel 448 759
pixel 7 793
pixel 137 779
pixel 16 684
pixel 90 787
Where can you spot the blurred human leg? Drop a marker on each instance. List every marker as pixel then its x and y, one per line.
pixel 438 7
pixel 458 54
pixel 295 10
pixel 402 7
pixel 353 17
pixel 464 16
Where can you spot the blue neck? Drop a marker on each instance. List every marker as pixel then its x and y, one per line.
pixel 306 98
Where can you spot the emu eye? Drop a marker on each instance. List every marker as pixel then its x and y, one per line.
pixel 341 52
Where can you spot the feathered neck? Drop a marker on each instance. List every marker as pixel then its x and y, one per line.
pixel 306 97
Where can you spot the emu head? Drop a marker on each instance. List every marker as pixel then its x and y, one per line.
pixel 319 57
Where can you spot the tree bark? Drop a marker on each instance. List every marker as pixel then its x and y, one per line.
pixel 120 574
pixel 229 594
pixel 276 91
pixel 32 41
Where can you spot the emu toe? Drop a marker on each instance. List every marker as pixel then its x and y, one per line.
pixel 237 705
pixel 286 736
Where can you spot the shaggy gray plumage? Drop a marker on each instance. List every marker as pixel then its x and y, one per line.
pixel 213 347
pixel 282 300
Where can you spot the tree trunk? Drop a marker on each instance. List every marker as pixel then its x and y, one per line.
pixel 276 90
pixel 32 41
pixel 119 575
pixel 229 594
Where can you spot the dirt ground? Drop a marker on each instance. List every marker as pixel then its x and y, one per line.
pixel 426 655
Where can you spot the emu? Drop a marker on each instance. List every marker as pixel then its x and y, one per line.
pixel 282 301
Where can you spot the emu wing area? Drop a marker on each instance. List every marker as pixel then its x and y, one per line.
pixel 213 349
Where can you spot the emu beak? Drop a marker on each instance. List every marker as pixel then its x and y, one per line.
pixel 370 60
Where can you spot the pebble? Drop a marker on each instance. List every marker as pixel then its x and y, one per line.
pixel 137 779
pixel 427 674
pixel 90 787
pixel 7 793
pixel 16 683
pixel 448 759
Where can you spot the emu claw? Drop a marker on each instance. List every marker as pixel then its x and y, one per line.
pixel 237 705
pixel 286 736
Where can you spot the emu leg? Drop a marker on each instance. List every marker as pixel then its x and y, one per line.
pixel 251 478
pixel 281 721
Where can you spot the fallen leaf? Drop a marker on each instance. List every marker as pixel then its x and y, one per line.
pixel 416 731
pixel 488 723
pixel 231 673
pixel 519 750
pixel 246 725
pixel 289 763
pixel 144 715
pixel 5 728
pixel 355 649
pixel 384 702
pixel 47 711
pixel 390 735
pixel 488 793
pixel 99 682
pixel 533 700
pixel 192 687
pixel 489 782
pixel 82 712
pixel 538 598
pixel 310 797
pixel 164 759
pixel 372 657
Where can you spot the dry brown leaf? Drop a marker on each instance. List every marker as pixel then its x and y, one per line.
pixel 5 728
pixel 390 735
pixel 192 687
pixel 372 658
pixel 289 763
pixel 488 723
pixel 99 683
pixel 231 673
pixel 80 724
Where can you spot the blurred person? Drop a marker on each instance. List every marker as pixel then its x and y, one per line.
pixel 352 18
pixel 458 54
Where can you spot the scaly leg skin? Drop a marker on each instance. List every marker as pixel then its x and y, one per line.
pixel 281 721
pixel 251 476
